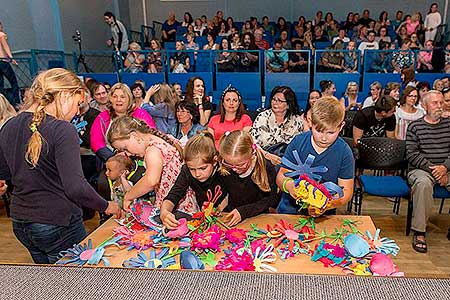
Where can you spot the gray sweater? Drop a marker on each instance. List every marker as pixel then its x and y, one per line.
pixel 428 144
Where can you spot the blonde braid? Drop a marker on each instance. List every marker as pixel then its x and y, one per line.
pixel 44 90
pixel 36 141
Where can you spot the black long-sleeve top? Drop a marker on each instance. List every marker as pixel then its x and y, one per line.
pixel 54 191
pixel 245 195
pixel 186 180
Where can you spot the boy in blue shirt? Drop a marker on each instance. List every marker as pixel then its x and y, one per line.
pixel 328 149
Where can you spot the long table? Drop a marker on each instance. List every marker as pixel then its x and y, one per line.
pixel 298 264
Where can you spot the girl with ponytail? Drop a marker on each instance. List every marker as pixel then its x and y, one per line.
pixel 40 155
pixel 199 173
pixel 250 178
pixel 163 157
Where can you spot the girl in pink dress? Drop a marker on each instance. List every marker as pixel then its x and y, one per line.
pixel 162 156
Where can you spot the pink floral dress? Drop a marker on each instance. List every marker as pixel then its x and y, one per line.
pixel 170 171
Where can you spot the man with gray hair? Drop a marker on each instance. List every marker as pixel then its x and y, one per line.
pixel 428 154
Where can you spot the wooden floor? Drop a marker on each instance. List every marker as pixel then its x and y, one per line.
pixel 435 263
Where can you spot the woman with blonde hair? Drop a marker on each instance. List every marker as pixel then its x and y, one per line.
pixel 7 111
pixel 135 59
pixel 122 104
pixel 36 148
pixel 350 99
pixel 162 109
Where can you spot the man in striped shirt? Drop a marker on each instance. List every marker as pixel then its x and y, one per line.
pixel 428 154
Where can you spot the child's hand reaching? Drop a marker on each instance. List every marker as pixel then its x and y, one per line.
pixel 169 221
pixel 126 202
pixel 114 209
pixel 233 217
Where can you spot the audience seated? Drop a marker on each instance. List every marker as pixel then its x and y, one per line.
pixel 277 58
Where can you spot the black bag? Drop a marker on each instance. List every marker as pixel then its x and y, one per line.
pixel 277 149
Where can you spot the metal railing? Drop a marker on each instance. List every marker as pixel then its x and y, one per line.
pixel 96 62
pixel 157 30
pixel 337 61
pixel 387 61
pixel 147 34
pixel 22 69
pixel 291 57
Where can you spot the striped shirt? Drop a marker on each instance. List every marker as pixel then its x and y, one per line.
pixel 428 144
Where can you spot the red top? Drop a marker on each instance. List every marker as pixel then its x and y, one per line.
pixel 221 128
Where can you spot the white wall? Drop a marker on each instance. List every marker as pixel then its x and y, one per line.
pixel 16 18
pixel 86 16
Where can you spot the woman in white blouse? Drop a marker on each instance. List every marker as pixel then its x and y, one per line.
pixel 432 21
pixel 279 124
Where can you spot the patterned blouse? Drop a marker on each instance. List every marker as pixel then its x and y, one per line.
pixel 267 132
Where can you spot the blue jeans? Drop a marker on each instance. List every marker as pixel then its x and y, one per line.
pixel 285 207
pixel 7 71
pixel 45 241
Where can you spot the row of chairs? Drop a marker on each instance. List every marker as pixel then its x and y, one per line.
pixel 386 155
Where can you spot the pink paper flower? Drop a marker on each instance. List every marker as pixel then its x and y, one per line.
pixel 210 239
pixel 236 235
pixel 236 261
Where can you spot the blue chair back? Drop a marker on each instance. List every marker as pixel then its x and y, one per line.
pixel 248 84
pixel 110 78
pixel 149 78
pixel 182 79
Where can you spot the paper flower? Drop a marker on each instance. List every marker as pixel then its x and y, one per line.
pixel 262 257
pixel 85 254
pixel 236 235
pixel 154 260
pixel 382 245
pixel 329 255
pixel 382 265
pixel 208 240
pixel 236 261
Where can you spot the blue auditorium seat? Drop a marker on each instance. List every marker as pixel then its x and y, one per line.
pixel 110 78
pixel 149 78
pixel 248 84
pixel 182 78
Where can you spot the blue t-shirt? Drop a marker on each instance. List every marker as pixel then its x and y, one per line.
pixel 338 158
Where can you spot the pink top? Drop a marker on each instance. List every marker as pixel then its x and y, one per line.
pixel 411 26
pixel 427 56
pixel 221 128
pixel 170 171
pixel 102 122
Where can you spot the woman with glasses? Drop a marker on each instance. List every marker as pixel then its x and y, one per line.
pixel 407 112
pixel 274 128
pixel 187 122
pixel 232 115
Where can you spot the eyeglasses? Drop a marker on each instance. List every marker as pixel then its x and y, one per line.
pixel 278 100
pixel 242 165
